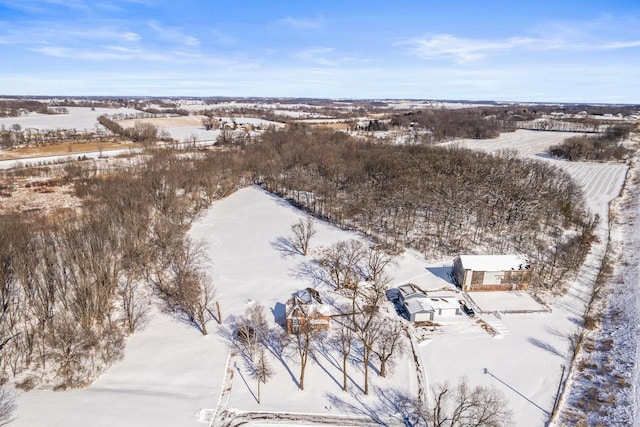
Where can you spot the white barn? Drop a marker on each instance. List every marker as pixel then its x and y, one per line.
pixel 491 272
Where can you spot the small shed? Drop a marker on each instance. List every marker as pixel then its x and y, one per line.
pixel 492 272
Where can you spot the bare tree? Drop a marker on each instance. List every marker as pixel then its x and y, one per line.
pixel 465 406
pixel 389 344
pixel 366 299
pixel 377 261
pixel 341 260
pixel 368 328
pixel 251 331
pixel 303 341
pixel 186 286
pixel 303 231
pixel 209 123
pixel 344 339
pixel 7 405
pixel 69 346
pixel 261 370
pixel 134 303
pixel 202 306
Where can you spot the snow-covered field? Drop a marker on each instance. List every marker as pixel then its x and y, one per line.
pixel 247 266
pixel 79 118
pixel 525 142
pixel 170 373
pixel 187 127
pixel 188 132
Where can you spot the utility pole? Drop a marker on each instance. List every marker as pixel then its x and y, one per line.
pixel 557 399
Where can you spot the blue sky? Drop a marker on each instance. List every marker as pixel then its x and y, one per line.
pixel 561 51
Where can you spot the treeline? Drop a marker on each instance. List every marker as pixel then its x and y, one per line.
pixel 19 107
pixel 73 287
pixel 442 201
pixel 140 132
pixel 603 147
pixel 166 111
pixel 239 112
pixel 448 124
pixel 33 137
pixel 566 125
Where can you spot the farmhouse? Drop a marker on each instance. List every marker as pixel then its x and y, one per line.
pixel 305 310
pixel 491 272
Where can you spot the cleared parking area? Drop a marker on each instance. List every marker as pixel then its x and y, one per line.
pixel 506 302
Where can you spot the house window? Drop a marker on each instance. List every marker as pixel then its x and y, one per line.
pixel 295 325
pixel 477 277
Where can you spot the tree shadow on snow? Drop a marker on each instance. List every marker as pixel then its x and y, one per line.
pixel 385 406
pixel 310 271
pixel 545 346
pixel 576 320
pixel 245 382
pixel 326 371
pixel 182 317
pixel 325 348
pixel 544 411
pixel 275 342
pixel 286 247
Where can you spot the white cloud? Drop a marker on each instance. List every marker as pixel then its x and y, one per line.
pixel 104 54
pixel 44 33
pixel 461 49
pixel 175 34
pixel 327 56
pixel 40 5
pixel 131 37
pixel 619 45
pixel 318 56
pixel 447 46
pixel 71 4
pixel 303 23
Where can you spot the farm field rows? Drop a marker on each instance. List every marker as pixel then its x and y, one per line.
pixel 600 182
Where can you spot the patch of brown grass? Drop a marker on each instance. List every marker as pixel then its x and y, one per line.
pixel 166 122
pixel 334 126
pixel 61 149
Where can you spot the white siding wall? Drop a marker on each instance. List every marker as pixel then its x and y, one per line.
pixel 422 317
pixel 493 277
pixel 446 311
pixel 467 279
